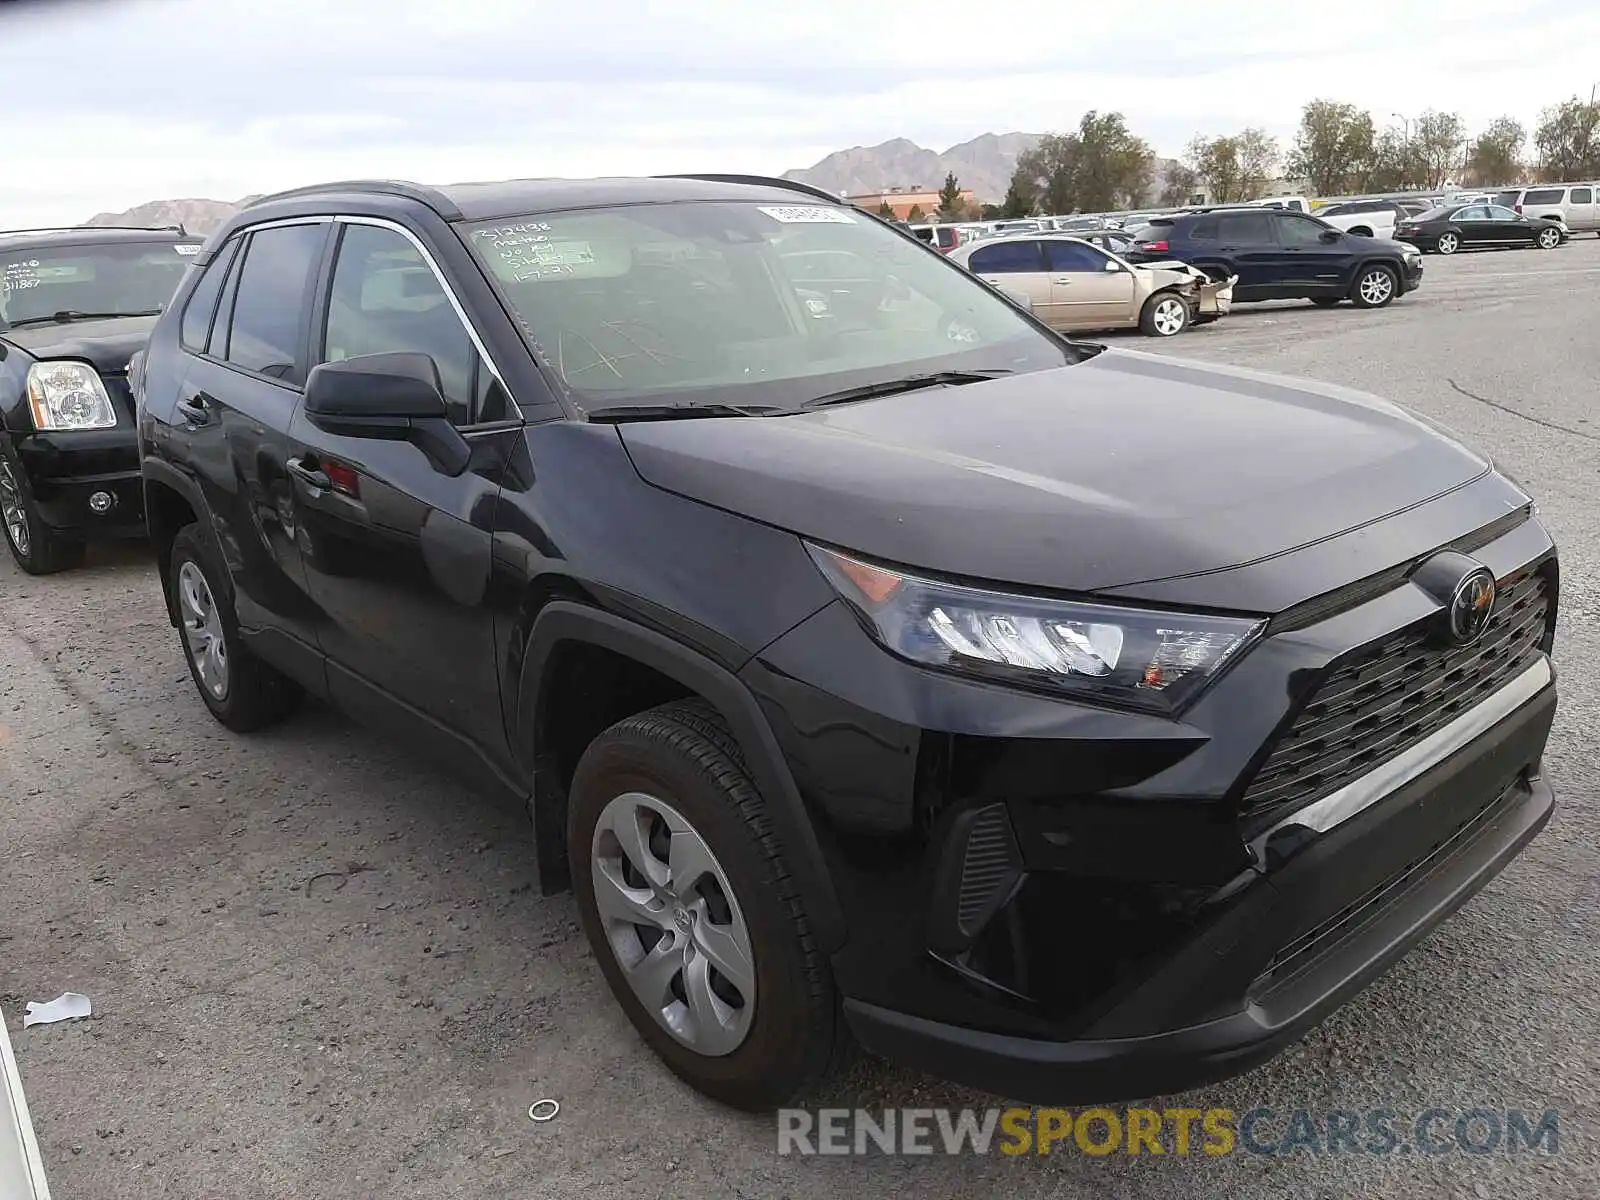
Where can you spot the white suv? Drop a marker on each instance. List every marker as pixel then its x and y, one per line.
pixel 1573 204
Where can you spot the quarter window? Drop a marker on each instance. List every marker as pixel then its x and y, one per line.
pixel 202 306
pixel 269 307
pixel 386 299
pixel 1007 258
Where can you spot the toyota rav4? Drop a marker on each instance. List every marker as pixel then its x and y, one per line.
pixel 1080 724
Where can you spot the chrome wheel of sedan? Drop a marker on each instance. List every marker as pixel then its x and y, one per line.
pixel 202 630
pixel 1449 243
pixel 674 924
pixel 12 510
pixel 1549 237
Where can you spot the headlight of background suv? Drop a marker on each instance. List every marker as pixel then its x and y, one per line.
pixel 68 395
pixel 1133 657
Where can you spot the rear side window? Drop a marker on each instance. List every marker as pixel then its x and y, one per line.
pixel 1203 230
pixel 202 306
pixel 1509 199
pixel 269 309
pixel 1247 229
pixel 1007 258
pixel 1544 196
pixel 1583 195
pixel 946 238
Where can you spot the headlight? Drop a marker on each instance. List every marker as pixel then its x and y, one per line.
pixel 1134 657
pixel 68 395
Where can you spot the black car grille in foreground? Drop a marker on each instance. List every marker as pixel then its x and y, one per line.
pixel 1388 696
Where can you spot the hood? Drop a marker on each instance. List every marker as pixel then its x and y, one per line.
pixel 108 344
pixel 1126 468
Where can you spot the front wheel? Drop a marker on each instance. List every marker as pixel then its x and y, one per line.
pixel 1164 315
pixel 242 692
pixel 38 549
pixel 1548 238
pixel 1449 242
pixel 1375 287
pixel 688 905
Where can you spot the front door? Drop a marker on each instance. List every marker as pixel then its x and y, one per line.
pixel 1087 289
pixel 1017 267
pixel 397 550
pixel 1510 227
pixel 1308 263
pixel 240 390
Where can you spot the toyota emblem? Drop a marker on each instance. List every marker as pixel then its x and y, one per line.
pixel 1471 606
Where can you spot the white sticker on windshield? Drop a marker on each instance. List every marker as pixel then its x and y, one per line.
pixel 183 249
pixel 808 214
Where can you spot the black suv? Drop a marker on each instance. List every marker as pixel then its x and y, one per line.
pixel 1280 255
pixel 1077 723
pixel 74 306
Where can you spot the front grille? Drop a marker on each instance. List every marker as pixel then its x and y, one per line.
pixel 1388 696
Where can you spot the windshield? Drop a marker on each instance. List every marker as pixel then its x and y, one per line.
pixel 120 277
pixel 744 304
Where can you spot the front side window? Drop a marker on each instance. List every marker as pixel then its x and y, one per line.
pixel 202 306
pixel 1300 231
pixel 269 302
pixel 745 303
pixel 386 299
pixel 1496 213
pixel 111 280
pixel 1075 257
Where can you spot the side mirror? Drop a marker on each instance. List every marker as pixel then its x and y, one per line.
pixel 391 397
pixel 1330 235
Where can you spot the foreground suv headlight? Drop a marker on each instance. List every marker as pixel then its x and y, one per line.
pixel 1134 657
pixel 68 395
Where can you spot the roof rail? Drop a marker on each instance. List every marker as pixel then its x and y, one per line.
pixel 178 229
pixel 793 185
pixel 432 197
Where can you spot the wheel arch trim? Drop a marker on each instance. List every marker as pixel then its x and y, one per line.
pixel 563 621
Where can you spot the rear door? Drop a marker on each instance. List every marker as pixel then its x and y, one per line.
pixel 398 551
pixel 1017 266
pixel 1247 241
pixel 1476 227
pixel 239 393
pixel 1087 289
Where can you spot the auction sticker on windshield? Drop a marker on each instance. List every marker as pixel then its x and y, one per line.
pixel 807 215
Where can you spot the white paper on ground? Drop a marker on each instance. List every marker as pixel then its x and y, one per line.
pixel 66 1007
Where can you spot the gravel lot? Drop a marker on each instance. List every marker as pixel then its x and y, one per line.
pixel 318 967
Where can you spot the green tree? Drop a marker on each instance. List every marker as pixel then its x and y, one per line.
pixel 951 205
pixel 1496 154
pixel 1020 197
pixel 1568 140
pixel 1100 167
pixel 1333 143
pixel 884 210
pixel 1437 143
pixel 1234 167
pixel 916 215
pixel 1177 185
pixel 990 212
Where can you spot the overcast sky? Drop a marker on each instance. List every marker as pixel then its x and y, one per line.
pixel 109 103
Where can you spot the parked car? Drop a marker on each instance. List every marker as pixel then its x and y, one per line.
pixel 1073 286
pixel 1573 205
pixel 943 238
pixel 1283 256
pixel 1364 218
pixel 1476 227
pixel 841 655
pixel 1216 295
pixel 74 306
pixel 1290 203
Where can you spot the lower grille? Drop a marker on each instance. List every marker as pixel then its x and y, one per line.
pixel 1388 696
pixel 988 868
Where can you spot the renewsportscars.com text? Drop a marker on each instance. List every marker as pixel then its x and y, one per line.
pixel 1177 1131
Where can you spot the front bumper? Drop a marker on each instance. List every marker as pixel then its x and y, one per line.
pixel 1410 273
pixel 1489 800
pixel 65 469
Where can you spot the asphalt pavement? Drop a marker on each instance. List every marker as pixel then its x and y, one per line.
pixel 319 969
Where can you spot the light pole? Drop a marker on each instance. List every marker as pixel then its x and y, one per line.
pixel 1405 125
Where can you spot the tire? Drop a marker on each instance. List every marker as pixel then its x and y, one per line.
pixel 1548 238
pixel 1327 301
pixel 1448 242
pixel 677 767
pixel 250 694
pixel 1165 315
pixel 1375 286
pixel 38 549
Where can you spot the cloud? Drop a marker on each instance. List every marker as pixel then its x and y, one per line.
pixel 113 102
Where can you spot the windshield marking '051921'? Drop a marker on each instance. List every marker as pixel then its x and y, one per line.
pixel 115 278
pixel 746 304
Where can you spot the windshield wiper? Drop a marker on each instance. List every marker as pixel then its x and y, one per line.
pixel 676 412
pixel 905 383
pixel 63 316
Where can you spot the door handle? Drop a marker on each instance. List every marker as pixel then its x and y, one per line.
pixel 311 476
pixel 1062 279
pixel 195 410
